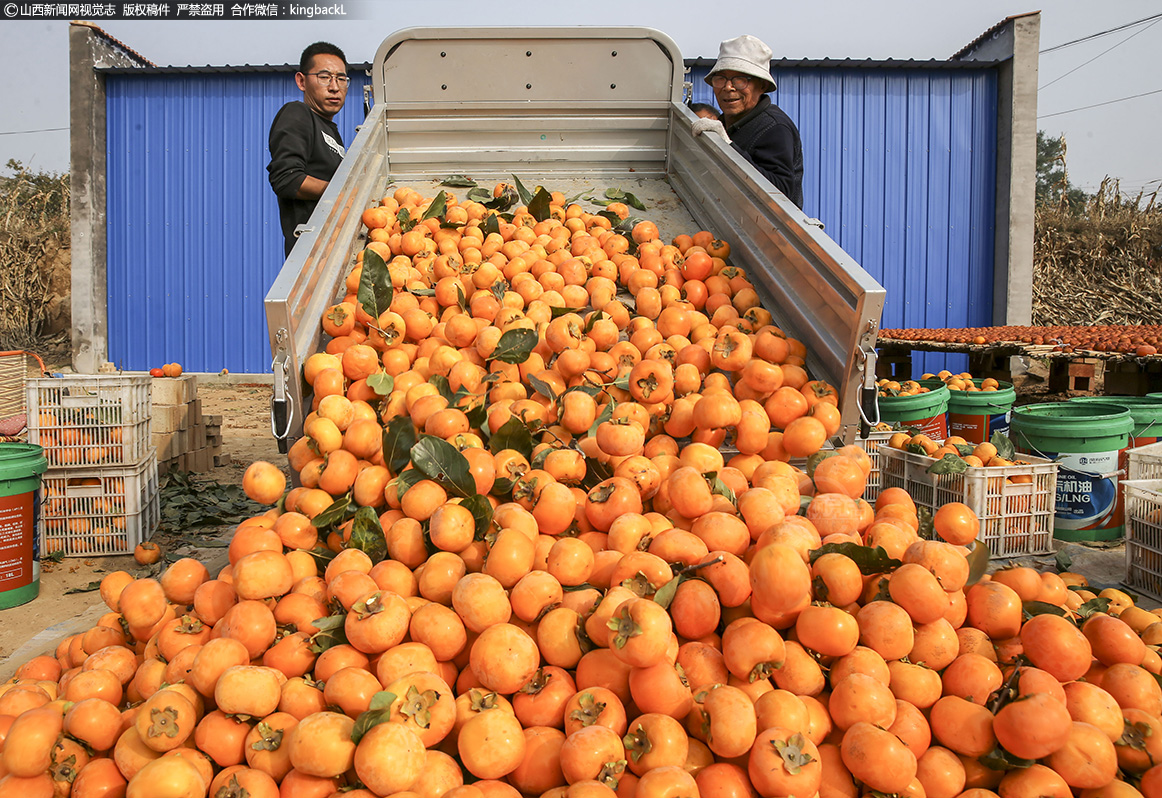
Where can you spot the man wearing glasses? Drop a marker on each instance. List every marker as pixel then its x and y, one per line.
pixel 760 130
pixel 305 145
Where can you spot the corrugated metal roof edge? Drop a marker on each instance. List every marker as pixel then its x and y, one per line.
pixel 181 70
pixel 146 63
pixel 968 48
pixel 860 63
pixel 825 63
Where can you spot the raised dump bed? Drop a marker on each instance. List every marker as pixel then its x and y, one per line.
pixel 572 109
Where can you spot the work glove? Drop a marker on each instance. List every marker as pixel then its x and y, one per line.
pixel 702 125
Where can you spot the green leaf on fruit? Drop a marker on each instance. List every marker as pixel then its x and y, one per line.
pixel 666 593
pixel 539 205
pixel 381 382
pixel 367 535
pixel 481 510
pixel 399 436
pixel 1093 606
pixel 443 387
pixel 335 514
pixel 1031 608
pixel 542 387
pixel 406 222
pixel 443 463
pixel 375 290
pixel 870 560
pixel 515 346
pixel 458 181
pixel 525 195
pixel 382 700
pixel 437 208
pixel 1002 760
pixel 1004 445
pixel 331 633
pixel 978 562
pixel 720 488
pixel 513 434
pixel 367 721
pixel 605 415
pixel 405 481
pixel 948 464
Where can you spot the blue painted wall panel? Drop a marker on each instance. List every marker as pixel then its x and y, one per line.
pixel 900 165
pixel 193 233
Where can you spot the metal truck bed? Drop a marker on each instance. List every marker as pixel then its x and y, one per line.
pixel 569 107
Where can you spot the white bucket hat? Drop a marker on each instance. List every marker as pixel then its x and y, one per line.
pixel 745 54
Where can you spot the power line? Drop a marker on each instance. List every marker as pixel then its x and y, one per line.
pixel 1099 105
pixel 1101 33
pixel 1099 55
pixel 22 132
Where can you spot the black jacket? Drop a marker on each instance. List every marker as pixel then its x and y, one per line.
pixel 302 144
pixel 768 138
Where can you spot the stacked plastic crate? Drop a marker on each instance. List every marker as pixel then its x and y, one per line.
pixel 1144 519
pixel 100 494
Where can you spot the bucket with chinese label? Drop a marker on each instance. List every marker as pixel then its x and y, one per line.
pixel 21 465
pixel 976 415
pixel 926 412
pixel 1087 440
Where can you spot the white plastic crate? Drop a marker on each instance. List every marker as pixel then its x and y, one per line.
pixel 98 511
pixel 1015 517
pixel 1145 462
pixel 1144 535
pixel 84 420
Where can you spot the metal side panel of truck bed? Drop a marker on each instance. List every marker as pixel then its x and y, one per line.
pixel 591 106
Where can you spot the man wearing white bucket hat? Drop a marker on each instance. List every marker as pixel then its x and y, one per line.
pixel 760 130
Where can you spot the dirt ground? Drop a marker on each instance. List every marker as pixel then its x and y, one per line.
pixel 36 627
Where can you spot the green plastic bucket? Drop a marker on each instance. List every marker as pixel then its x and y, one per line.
pixel 21 465
pixel 927 412
pixel 1087 440
pixel 1145 410
pixel 976 415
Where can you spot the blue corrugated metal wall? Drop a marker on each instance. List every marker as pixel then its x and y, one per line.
pixel 900 165
pixel 193 233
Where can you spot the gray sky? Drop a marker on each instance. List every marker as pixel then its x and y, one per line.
pixel 1118 139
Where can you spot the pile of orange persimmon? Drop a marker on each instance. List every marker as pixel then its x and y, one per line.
pixel 520 563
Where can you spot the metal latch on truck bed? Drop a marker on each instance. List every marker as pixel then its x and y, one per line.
pixel 282 409
pixel 869 407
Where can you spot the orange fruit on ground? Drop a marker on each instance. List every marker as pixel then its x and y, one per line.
pixel 147 553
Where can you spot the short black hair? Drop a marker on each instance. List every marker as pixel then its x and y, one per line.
pixel 319 48
pixel 696 107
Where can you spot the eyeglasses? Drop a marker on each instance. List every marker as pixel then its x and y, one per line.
pixel 327 77
pixel 739 82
